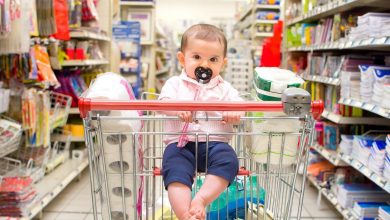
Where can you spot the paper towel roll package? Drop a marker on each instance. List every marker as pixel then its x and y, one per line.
pixel 269 84
pixel 111 86
pixel 259 146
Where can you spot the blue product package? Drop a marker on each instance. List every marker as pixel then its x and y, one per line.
pixel 381 144
pixel 381 73
pixel 331 134
pixel 363 68
pixel 366 141
pixel 232 202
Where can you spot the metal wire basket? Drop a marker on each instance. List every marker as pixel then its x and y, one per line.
pixel 59 109
pixel 59 151
pixel 10 136
pixel 27 161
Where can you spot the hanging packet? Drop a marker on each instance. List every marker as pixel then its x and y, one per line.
pixel 61 17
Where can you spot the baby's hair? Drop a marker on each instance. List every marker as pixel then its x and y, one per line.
pixel 204 32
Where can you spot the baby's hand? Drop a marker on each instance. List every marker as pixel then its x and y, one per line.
pixel 232 117
pixel 185 116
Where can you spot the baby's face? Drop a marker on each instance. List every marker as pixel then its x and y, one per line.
pixel 207 54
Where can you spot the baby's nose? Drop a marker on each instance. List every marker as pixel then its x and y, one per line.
pixel 205 63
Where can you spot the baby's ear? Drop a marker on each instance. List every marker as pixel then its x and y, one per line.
pixel 180 57
pixel 225 60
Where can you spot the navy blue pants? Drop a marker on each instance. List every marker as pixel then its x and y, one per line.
pixel 179 163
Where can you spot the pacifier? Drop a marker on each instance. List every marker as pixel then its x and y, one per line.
pixel 203 75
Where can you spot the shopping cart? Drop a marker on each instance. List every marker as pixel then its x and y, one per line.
pixel 125 155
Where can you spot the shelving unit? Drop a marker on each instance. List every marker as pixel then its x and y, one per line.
pixel 137 3
pixel 382 44
pixel 84 62
pixel 248 20
pixel 338 119
pixel 84 34
pixel 332 198
pixel 53 184
pixel 344 45
pixel 334 7
pixel 323 79
pixel 74 111
pixel 148 46
pixel 366 106
pixel 377 179
pixel 331 156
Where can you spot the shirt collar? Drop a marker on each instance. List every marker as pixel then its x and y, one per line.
pixel 213 82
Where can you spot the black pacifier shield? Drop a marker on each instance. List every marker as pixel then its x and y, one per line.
pixel 203 75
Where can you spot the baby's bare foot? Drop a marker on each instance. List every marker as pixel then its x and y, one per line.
pixel 188 216
pixel 197 209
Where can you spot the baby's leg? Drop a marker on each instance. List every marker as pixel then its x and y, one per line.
pixel 180 198
pixel 178 169
pixel 213 186
pixel 222 168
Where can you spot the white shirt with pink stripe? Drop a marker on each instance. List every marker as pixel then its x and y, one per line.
pixel 184 88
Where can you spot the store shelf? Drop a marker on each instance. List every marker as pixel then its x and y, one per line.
pixel 331 156
pixel 323 79
pixel 264 34
pixel 366 106
pixel 248 10
pixel 382 44
pixel 137 3
pixel 380 181
pixel 52 184
pixel 161 50
pixel 162 71
pixel 338 119
pixel 83 34
pixel 266 21
pixel 63 138
pixel 74 111
pixel 77 139
pixel 334 7
pixel 84 62
pixel 332 198
pixel 146 43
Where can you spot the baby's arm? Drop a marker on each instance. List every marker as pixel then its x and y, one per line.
pixel 169 92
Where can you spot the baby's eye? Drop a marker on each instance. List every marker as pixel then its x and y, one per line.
pixel 214 59
pixel 196 57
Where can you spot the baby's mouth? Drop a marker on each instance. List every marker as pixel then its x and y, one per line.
pixel 203 74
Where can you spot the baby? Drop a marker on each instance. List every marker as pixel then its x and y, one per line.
pixel 202 55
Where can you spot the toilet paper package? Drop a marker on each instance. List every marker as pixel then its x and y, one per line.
pixel 110 87
pixel 130 189
pixel 116 132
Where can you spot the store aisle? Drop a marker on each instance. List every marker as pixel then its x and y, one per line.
pixel 75 203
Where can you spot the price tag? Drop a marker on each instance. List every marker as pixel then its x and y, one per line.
pixel 381 40
pixel 368 41
pixel 381 111
pixel 375 177
pixel 387 41
pixel 356 43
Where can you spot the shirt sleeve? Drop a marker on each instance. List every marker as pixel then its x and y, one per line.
pixel 169 90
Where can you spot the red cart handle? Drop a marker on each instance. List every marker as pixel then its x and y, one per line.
pixel 86 105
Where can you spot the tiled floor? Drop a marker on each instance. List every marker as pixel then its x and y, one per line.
pixel 74 203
